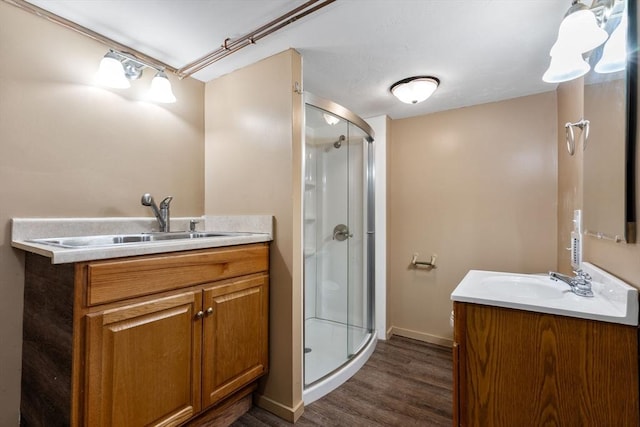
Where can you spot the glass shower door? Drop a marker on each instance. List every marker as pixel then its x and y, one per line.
pixel 358 294
pixel 335 291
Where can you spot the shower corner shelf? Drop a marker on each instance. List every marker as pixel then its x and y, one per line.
pixel 309 219
pixel 309 185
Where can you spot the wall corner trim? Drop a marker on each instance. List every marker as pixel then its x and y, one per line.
pixel 287 413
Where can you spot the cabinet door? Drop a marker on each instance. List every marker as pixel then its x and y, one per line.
pixel 143 363
pixel 235 336
pixel 523 368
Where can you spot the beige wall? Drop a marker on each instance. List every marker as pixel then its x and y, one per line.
pixel 570 98
pixel 71 149
pixel 477 187
pixel 253 159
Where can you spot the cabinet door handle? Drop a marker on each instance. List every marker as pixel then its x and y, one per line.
pixel 209 311
pixel 200 314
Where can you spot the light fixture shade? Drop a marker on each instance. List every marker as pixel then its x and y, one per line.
pixel 614 54
pixel 415 89
pixel 161 89
pixel 111 72
pixel 565 66
pixel 579 31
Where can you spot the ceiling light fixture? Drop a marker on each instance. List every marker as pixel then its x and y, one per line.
pixel 117 69
pixel 414 89
pixel 580 33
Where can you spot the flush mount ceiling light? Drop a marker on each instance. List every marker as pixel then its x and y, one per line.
pixel 117 69
pixel 580 33
pixel 414 89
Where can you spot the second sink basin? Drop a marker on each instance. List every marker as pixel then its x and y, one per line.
pixel 120 239
pixel 613 300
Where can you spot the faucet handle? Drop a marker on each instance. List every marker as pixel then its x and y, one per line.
pixel 192 224
pixel 583 275
pixel 165 203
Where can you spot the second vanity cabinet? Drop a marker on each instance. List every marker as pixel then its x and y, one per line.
pixel 155 340
pixel 520 368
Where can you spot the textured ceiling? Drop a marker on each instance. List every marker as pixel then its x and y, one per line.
pixel 353 50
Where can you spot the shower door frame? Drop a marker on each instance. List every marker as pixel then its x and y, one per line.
pixel 369 217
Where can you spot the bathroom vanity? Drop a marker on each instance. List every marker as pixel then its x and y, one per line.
pixel 176 337
pixel 522 366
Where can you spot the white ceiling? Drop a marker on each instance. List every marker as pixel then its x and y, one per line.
pixel 353 50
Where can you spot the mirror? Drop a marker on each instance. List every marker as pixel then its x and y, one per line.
pixel 609 150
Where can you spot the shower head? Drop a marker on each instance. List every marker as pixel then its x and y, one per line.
pixel 339 142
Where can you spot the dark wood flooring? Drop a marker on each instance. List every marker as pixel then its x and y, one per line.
pixel 404 383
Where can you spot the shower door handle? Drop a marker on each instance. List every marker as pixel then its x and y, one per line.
pixel 341 232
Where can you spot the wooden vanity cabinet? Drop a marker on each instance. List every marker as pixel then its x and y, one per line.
pixel 235 348
pixel 520 368
pixel 143 363
pixel 155 340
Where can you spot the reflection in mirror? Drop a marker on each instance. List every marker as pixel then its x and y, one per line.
pixel 607 105
pixel 604 156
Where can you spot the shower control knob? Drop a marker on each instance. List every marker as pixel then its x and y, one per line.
pixel 341 233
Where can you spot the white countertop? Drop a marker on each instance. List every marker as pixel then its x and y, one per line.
pixel 256 228
pixel 614 301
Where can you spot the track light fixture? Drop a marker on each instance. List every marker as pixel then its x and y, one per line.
pixel 117 69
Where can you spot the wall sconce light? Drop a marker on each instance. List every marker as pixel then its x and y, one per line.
pixel 111 72
pixel 580 33
pixel 614 54
pixel 414 89
pixel 161 89
pixel 117 69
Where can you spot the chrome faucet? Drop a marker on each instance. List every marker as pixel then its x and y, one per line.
pixel 580 284
pixel 162 214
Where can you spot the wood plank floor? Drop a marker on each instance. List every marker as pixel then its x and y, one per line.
pixel 404 383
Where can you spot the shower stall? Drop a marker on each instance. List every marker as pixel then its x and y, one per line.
pixel 339 242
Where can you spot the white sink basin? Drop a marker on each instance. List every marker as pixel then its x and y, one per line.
pixel 505 286
pixel 613 301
